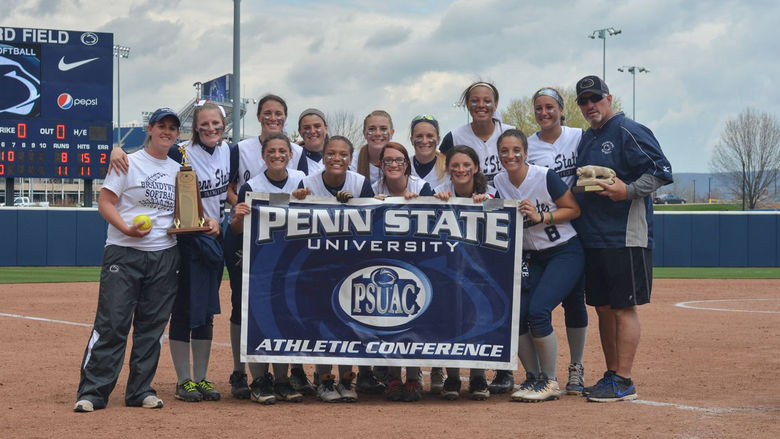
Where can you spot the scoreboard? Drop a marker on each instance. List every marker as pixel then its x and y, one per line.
pixel 56 103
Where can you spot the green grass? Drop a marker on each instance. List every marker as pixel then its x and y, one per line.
pixel 695 207
pixel 27 275
pixel 22 275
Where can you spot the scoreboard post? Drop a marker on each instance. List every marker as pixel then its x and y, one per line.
pixel 56 104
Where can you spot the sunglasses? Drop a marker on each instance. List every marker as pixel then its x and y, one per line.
pixel 582 100
pixel 424 117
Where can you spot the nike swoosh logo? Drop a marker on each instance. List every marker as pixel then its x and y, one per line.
pixel 65 66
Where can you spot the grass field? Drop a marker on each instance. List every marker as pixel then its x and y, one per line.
pixel 22 275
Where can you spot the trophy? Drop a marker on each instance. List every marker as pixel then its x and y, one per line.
pixel 588 176
pixel 188 210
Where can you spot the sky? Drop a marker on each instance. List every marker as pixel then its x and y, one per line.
pixel 708 61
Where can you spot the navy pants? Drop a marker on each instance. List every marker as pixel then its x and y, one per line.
pixel 553 274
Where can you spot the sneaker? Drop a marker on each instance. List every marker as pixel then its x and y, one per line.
pixel 300 382
pixel 503 382
pixel 382 373
pixel 451 389
pixel 346 389
pixel 545 389
pixel 326 391
pixel 84 406
pixel 239 387
pixel 478 388
pixel 188 392
pixel 437 380
pixel 152 402
pixel 604 381
pixel 263 389
pixel 367 383
pixel 576 383
pixel 283 391
pixel 618 389
pixel 395 390
pixel 412 391
pixel 206 388
pixel 525 386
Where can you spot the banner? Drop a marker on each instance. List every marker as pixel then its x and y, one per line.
pixel 395 282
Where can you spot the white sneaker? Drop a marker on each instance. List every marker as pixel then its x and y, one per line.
pixel 545 389
pixel 346 389
pixel 326 391
pixel 525 387
pixel 84 406
pixel 437 380
pixel 152 402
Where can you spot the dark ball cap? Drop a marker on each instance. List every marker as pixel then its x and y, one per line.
pixel 161 113
pixel 592 84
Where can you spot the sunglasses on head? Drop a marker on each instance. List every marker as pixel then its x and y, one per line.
pixel 424 117
pixel 582 100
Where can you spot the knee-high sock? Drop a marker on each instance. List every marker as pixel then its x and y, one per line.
pixel 576 338
pixel 547 348
pixel 258 370
pixel 477 373
pixel 201 350
pixel 280 372
pixel 394 372
pixel 453 372
pixel 343 370
pixel 180 353
pixel 526 351
pixel 235 344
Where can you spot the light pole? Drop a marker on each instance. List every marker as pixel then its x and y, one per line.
pixel 633 70
pixel 602 34
pixel 243 118
pixel 119 52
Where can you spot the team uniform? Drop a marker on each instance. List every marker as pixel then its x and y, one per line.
pixel 555 261
pixel 428 172
pixel 487 150
pixel 374 171
pixel 250 160
pixel 449 187
pixel 413 184
pixel 619 232
pixel 137 285
pixel 197 300
pixel 354 183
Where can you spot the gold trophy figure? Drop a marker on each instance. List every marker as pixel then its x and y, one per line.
pixel 188 210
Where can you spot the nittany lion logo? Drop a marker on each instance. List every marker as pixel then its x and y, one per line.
pixel 383 295
pixel 19 81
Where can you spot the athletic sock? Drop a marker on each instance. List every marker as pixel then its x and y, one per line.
pixel 343 370
pixel 413 373
pixel 201 350
pixel 393 373
pixel 526 351
pixel 180 353
pixel 258 370
pixel 364 369
pixel 280 372
pixel 453 372
pixel 235 344
pixel 473 373
pixel 576 338
pixel 547 348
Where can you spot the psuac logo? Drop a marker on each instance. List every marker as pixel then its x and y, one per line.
pixel 384 296
pixel 607 147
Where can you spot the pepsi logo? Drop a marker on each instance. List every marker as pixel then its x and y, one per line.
pixel 383 296
pixel 65 101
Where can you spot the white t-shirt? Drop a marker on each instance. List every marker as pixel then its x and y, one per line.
pixel 148 188
pixel 250 159
pixel 487 150
pixel 534 188
pixel 413 184
pixel 213 171
pixel 560 156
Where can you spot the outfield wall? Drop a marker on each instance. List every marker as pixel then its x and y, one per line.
pixel 76 236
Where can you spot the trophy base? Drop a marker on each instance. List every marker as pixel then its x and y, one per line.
pixel 588 188
pixel 175 231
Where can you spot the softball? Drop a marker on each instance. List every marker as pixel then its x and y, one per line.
pixel 147 222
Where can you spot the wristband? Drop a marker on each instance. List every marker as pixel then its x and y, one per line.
pixel 552 219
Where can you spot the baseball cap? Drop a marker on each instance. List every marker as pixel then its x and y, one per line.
pixel 592 84
pixel 161 113
pixel 309 112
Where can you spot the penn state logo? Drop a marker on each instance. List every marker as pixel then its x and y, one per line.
pixel 607 147
pixel 587 83
pixel 19 82
pixel 89 38
pixel 65 101
pixel 383 296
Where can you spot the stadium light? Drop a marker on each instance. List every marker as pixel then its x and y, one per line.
pixel 119 52
pixel 602 34
pixel 633 70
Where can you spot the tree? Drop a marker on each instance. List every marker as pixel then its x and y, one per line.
pixel 748 155
pixel 520 112
pixel 345 123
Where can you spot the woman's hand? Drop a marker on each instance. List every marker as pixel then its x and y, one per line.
pixel 527 208
pixel 213 226
pixel 409 195
pixel 119 162
pixel 444 196
pixel 301 193
pixel 478 198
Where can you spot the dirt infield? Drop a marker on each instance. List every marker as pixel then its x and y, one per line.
pixel 704 370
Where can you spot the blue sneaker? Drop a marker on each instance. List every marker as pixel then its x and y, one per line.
pixel 605 380
pixel 618 389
